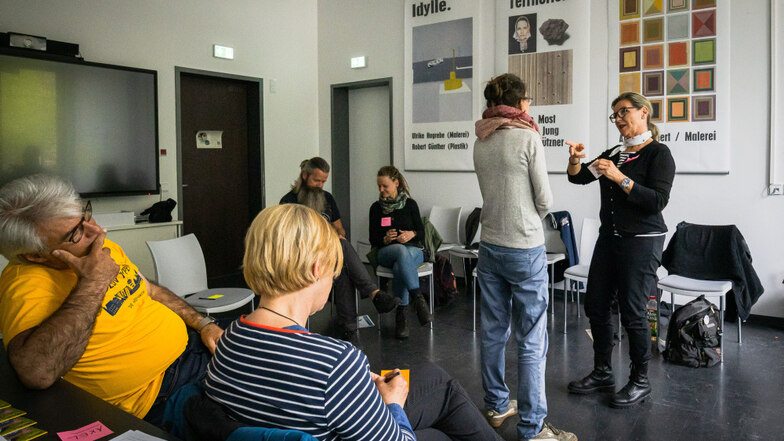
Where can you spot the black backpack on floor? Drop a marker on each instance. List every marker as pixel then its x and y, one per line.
pixel 693 335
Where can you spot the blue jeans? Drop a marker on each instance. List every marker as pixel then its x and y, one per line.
pixel 404 261
pixel 514 291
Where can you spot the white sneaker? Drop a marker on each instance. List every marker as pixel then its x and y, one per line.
pixel 550 433
pixel 495 418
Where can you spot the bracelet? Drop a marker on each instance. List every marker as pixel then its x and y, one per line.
pixel 573 163
pixel 203 323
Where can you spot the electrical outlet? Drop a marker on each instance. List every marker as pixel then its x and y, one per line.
pixel 776 189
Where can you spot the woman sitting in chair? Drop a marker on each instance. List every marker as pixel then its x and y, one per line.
pixel 396 230
pixel 269 371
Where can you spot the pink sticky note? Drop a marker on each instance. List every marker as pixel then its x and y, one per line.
pixel 87 433
pixel 386 221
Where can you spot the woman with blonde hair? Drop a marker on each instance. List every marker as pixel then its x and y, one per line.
pixel 269 371
pixel 635 179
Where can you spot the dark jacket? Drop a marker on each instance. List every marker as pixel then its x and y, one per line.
pixel 715 252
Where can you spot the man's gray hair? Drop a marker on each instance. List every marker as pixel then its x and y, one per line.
pixel 308 166
pixel 28 201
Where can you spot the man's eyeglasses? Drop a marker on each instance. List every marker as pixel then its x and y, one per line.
pixel 78 232
pixel 620 113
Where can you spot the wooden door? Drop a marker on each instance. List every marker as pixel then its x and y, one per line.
pixel 221 187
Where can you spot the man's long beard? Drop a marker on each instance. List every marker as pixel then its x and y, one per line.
pixel 312 198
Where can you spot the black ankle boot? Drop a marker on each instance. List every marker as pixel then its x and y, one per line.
pixel 600 380
pixel 636 390
pixel 401 327
pixel 422 308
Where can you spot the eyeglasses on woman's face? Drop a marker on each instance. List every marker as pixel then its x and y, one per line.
pixel 76 234
pixel 620 113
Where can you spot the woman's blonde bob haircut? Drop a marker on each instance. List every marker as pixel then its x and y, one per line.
pixel 283 245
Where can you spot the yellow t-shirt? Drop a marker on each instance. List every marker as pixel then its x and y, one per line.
pixel 134 340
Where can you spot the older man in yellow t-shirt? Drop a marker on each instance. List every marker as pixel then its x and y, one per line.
pixel 73 305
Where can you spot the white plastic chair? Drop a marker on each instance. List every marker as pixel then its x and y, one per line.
pixel 180 267
pixel 426 269
pixel 577 274
pixel 447 223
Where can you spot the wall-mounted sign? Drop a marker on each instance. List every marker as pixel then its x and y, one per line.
pixel 209 139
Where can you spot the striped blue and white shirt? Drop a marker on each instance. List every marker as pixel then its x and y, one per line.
pixel 291 379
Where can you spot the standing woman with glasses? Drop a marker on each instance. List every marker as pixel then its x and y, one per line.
pixel 635 179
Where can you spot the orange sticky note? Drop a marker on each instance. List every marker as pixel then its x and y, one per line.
pixel 403 372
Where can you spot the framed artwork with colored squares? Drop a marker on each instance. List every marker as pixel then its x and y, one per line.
pixel 653 83
pixel 702 4
pixel 674 52
pixel 630 33
pixel 703 108
pixel 656 115
pixel 653 56
pixel 704 51
pixel 703 23
pixel 629 59
pixel 704 79
pixel 678 109
pixel 653 30
pixel 677 5
pixel 678 54
pixel 652 7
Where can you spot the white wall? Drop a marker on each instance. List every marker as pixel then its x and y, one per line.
pixel 375 29
pixel 271 40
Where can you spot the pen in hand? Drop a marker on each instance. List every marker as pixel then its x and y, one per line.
pixel 388 377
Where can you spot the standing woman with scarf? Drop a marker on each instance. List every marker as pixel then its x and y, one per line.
pixel 635 179
pixel 397 231
pixel 512 269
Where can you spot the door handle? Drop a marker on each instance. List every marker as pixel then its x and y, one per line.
pixel 184 185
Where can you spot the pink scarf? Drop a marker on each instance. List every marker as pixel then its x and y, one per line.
pixel 503 117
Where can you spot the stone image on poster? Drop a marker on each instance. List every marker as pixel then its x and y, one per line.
pixel 442 64
pixel 554 32
pixel 522 34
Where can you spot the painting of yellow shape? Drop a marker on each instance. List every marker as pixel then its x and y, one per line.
pixel 629 82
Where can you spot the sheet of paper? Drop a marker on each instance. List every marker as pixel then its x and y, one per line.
pixel 365 322
pixel 89 432
pixel 593 170
pixel 136 435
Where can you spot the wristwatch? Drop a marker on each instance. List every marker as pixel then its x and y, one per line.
pixel 204 322
pixel 626 183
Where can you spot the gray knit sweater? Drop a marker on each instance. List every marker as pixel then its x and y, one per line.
pixel 512 173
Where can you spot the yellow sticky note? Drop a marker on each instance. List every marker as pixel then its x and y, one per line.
pixel 403 372
pixel 216 296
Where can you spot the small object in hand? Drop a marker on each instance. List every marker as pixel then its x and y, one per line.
pixel 390 376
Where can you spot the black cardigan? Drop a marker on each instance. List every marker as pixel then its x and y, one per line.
pixel 639 212
pixel 715 252
pixel 406 219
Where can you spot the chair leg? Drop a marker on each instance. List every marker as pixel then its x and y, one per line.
pixel 569 291
pixel 721 313
pixel 552 289
pixel 740 341
pixel 431 299
pixel 474 314
pixel 378 284
pixel 620 326
pixel 578 299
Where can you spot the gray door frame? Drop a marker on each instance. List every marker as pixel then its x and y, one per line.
pixel 341 165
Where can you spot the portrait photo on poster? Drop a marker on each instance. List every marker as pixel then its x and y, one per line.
pixel 522 34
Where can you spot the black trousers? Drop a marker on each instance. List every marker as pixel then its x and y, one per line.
pixel 353 276
pixel 622 269
pixel 439 409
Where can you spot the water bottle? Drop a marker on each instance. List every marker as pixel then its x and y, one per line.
pixel 651 309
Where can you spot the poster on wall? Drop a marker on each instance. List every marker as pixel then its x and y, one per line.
pixel 440 88
pixel 676 53
pixel 547 44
